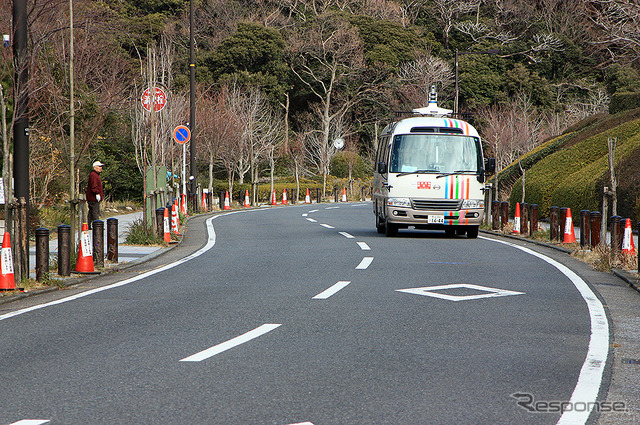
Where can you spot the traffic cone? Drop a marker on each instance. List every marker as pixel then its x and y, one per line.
pixel 227 205
pixel 273 198
pixel 204 201
pixel 183 207
pixel 307 197
pixel 569 234
pixel 7 279
pixel 344 194
pixel 167 229
pixel 284 197
pixel 175 220
pixel 516 220
pixel 84 263
pixel 247 204
pixel 627 241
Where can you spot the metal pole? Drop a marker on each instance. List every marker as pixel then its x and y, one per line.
pixel 192 101
pixel 64 252
pixel 97 228
pixel 455 104
pixel 72 132
pixel 42 254
pixel 21 132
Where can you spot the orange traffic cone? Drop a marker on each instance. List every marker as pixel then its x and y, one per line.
pixel 307 197
pixel 284 197
pixel 183 207
pixel 273 198
pixel 227 205
pixel 246 199
pixel 569 234
pixel 84 263
pixel 167 228
pixel 627 242
pixel 516 220
pixel 7 279
pixel 344 194
pixel 204 201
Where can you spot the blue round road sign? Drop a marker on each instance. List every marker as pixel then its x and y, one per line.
pixel 182 134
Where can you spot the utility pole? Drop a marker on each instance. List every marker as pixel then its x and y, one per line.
pixel 21 136
pixel 192 104
pixel 73 201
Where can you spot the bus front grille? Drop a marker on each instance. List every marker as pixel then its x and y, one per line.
pixel 436 204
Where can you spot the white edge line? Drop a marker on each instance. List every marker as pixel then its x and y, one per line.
pixel 590 378
pixel 332 290
pixel 211 241
pixel 234 342
pixel 366 262
pixel 363 246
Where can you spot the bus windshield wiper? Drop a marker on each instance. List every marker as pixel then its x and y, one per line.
pixel 406 173
pixel 456 172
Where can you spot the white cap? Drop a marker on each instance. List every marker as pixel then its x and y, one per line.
pixel 98 164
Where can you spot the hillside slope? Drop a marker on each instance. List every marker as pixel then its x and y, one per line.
pixel 571 170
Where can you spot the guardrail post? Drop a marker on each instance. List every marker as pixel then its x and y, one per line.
pixel 42 254
pixel 64 250
pixel 534 219
pixel 524 219
pixel 504 214
pixel 98 243
pixel 495 215
pixel 615 234
pixel 112 237
pixel 562 221
pixel 595 217
pixel 585 231
pixel 553 223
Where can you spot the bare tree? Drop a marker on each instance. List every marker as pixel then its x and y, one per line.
pixel 447 12
pixel 420 74
pixel 619 22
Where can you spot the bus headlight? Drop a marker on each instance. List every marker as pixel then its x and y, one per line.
pixel 399 202
pixel 468 204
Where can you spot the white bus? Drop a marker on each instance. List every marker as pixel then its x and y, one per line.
pixel 430 174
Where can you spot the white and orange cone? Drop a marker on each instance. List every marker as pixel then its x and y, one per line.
pixel 227 204
pixel 167 228
pixel 516 220
pixel 183 207
pixel 627 242
pixel 84 263
pixel 569 233
pixel 344 194
pixel 274 201
pixel 247 203
pixel 7 278
pixel 307 197
pixel 204 201
pixel 284 197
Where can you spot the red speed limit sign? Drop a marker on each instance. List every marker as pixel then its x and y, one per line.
pixel 160 99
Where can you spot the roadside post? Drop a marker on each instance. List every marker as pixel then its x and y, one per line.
pixel 112 238
pixel 42 254
pixel 596 221
pixel 98 242
pixel 553 223
pixel 64 250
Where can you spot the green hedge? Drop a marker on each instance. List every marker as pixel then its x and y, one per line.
pixel 624 102
pixel 574 177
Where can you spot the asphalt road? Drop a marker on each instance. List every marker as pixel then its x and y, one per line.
pixel 306 315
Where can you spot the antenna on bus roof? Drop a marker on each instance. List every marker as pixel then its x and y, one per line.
pixel 432 109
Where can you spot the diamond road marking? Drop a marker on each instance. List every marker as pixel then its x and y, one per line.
pixel 431 291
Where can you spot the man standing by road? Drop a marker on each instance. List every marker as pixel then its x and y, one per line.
pixel 94 193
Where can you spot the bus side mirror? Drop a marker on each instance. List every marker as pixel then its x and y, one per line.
pixel 382 167
pixel 490 165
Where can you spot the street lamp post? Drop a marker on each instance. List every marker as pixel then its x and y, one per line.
pixel 486 52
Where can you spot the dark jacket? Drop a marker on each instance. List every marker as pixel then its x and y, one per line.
pixel 94 187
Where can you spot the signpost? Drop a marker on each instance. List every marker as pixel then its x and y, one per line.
pixel 160 99
pixel 182 134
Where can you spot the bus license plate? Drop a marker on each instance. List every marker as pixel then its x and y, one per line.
pixel 435 219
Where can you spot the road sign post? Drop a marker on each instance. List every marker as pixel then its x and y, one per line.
pixel 182 134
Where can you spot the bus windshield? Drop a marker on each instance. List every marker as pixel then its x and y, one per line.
pixel 435 153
